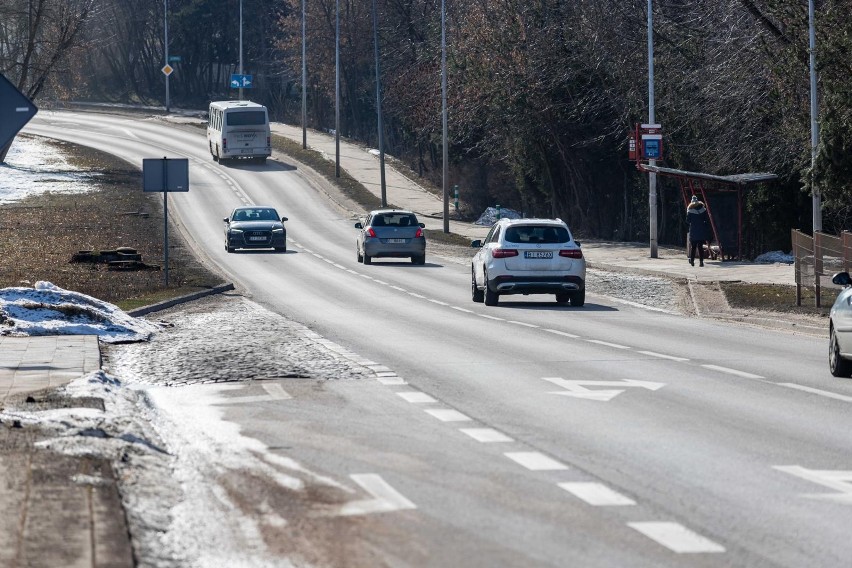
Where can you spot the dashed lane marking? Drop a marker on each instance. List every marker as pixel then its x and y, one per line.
pixel 730 371
pixel 465 310
pixel 608 344
pixel 486 435
pixel 663 356
pixel 522 323
pixel 562 333
pixel 416 397
pixel 448 415
pixel 486 316
pixel 676 537
pixel 535 461
pixel 597 494
pixel 826 394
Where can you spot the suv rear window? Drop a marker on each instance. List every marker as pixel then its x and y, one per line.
pixel 535 234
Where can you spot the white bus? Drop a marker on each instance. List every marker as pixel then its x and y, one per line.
pixel 238 129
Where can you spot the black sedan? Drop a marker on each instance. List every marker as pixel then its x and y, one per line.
pixel 255 227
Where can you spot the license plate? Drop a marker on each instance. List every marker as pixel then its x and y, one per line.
pixel 247 150
pixel 257 238
pixel 395 240
pixel 538 254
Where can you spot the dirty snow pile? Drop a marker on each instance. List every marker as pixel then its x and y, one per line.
pixel 46 309
pixel 775 256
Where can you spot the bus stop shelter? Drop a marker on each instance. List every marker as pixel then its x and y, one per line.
pixel 724 197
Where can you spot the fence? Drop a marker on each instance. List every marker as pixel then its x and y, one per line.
pixel 818 258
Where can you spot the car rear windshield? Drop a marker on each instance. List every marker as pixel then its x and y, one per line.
pixel 246 118
pixel 535 234
pixel 394 220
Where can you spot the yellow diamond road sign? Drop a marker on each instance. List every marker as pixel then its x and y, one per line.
pixel 167 70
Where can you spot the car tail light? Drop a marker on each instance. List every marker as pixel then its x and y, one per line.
pixel 571 253
pixel 224 143
pixel 503 253
pixel 419 233
pixel 268 142
pixel 371 232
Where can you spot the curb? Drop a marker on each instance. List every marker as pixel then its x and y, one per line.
pixel 180 300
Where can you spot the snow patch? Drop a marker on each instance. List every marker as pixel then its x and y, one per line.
pixel 47 309
pixel 775 256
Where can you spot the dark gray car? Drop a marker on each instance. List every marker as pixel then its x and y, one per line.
pixel 255 227
pixel 390 233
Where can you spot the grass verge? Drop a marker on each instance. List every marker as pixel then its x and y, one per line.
pixel 777 298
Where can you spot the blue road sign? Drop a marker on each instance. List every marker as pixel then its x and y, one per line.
pixel 16 110
pixel 240 81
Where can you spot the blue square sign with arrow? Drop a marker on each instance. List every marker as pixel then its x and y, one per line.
pixel 16 110
pixel 240 81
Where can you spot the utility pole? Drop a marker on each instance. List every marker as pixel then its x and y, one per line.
pixel 304 84
pixel 166 47
pixel 444 116
pixel 337 89
pixel 817 198
pixel 379 108
pixel 652 177
pixel 241 49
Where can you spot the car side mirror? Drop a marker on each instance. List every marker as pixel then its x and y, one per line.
pixel 283 219
pixel 359 225
pixel 476 244
pixel 226 220
pixel 422 225
pixel 842 279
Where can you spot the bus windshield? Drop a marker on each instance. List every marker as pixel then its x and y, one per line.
pixel 246 118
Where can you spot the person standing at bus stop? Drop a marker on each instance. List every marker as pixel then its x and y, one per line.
pixel 700 231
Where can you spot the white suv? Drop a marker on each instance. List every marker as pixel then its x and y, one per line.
pixel 528 256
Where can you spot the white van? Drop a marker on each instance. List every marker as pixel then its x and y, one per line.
pixel 238 129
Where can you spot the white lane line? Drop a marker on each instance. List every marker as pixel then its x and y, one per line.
pixel 350 271
pixel 448 415
pixel 676 537
pixel 384 497
pixel 827 394
pixel 417 295
pixel 379 368
pixel 382 282
pixel 340 266
pixel 742 374
pixel 365 276
pixel 416 397
pixel 535 461
pixel 398 288
pixel 562 333
pixel 462 309
pixel 521 323
pixel 486 435
pixel 486 316
pixel 597 494
pixel 662 356
pixel 608 344
pixel 439 302
pixel 391 380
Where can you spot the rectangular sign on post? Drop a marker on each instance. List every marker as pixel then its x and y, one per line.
pixel 165 174
pixel 241 81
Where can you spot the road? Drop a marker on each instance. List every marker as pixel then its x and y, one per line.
pixel 526 434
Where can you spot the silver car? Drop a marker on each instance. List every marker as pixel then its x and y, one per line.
pixel 390 233
pixel 255 227
pixel 840 329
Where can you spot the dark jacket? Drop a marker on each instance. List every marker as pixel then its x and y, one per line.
pixel 698 220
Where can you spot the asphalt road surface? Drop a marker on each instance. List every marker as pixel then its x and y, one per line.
pixel 527 434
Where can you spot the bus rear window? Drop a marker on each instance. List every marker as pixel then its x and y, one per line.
pixel 246 118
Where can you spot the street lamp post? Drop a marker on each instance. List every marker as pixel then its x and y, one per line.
pixel 652 177
pixel 817 198
pixel 337 89
pixel 166 46
pixel 304 84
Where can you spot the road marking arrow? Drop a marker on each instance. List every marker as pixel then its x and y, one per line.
pixel 385 498
pixel 577 388
pixel 276 392
pixel 834 479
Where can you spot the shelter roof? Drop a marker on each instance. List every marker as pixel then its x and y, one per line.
pixel 736 179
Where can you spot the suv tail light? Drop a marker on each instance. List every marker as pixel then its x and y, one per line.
pixel 419 233
pixel 370 232
pixel 571 253
pixel 224 143
pixel 503 253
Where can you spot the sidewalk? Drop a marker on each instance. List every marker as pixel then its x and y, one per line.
pixel 403 192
